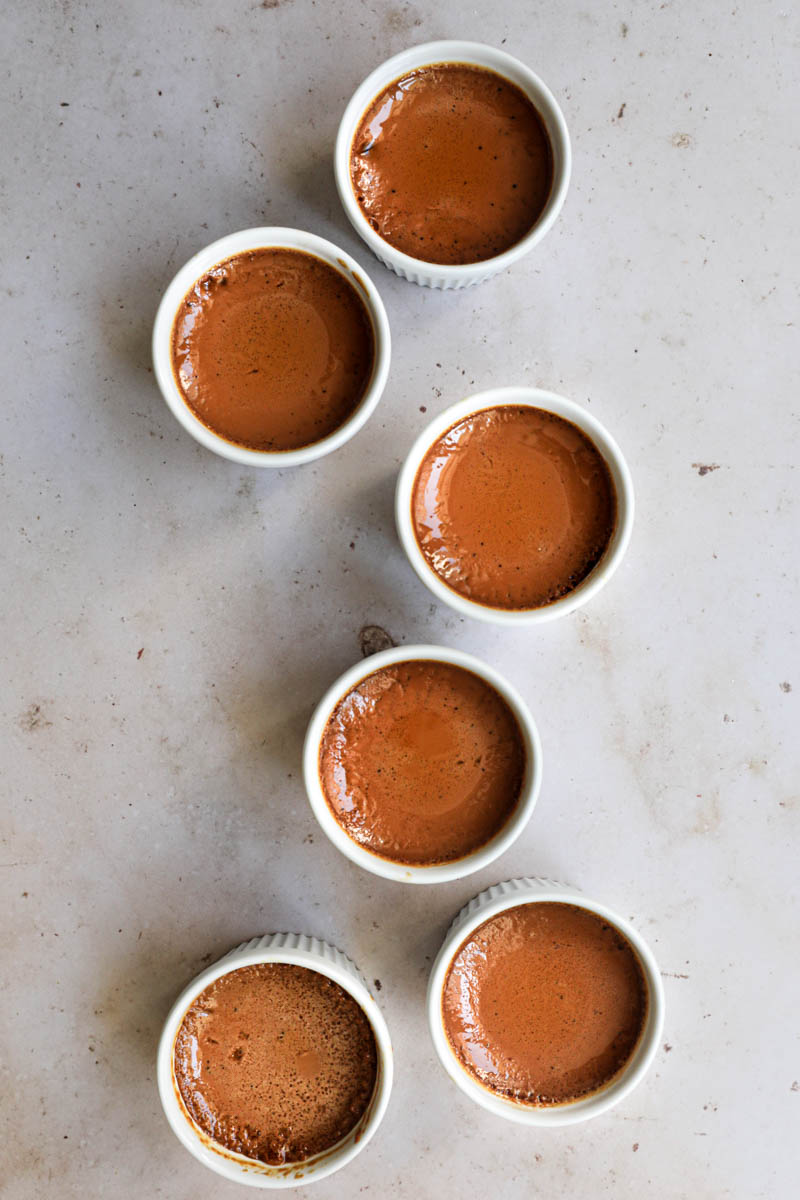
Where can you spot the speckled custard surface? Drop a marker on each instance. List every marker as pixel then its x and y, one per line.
pixel 422 762
pixel 273 349
pixel 544 1003
pixel 276 1062
pixel 451 164
pixel 513 507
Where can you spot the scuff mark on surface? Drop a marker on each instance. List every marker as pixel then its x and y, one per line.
pixel 34 718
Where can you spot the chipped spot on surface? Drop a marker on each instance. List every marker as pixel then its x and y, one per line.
pixel 705 468
pixel 681 141
pixel 373 638
pixel 34 718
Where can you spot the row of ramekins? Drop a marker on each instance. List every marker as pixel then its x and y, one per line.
pixel 311 952
pixel 253 239
pixel 304 951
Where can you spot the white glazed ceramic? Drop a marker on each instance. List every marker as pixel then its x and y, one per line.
pixel 496 900
pixel 302 951
pixel 600 437
pixel 241 243
pixel 437 275
pixel 402 872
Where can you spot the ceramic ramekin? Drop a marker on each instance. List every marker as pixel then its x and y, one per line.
pixel 600 437
pixel 241 243
pixel 438 275
pixel 402 872
pixel 496 900
pixel 301 951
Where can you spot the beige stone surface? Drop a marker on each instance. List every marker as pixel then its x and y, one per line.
pixel 169 620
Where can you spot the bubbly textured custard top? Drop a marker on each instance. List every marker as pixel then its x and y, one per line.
pixel 275 1062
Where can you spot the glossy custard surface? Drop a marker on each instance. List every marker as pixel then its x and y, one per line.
pixel 273 349
pixel 513 507
pixel 451 164
pixel 422 762
pixel 544 1003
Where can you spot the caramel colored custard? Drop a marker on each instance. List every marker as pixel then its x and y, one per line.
pixel 451 164
pixel 275 1062
pixel 544 1003
pixel 273 349
pixel 513 507
pixel 422 763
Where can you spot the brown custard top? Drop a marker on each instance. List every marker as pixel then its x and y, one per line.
pixel 273 349
pixel 451 164
pixel 513 507
pixel 544 1003
pixel 275 1062
pixel 422 763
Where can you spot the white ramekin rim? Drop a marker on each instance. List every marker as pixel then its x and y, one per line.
pixel 439 275
pixel 488 904
pixel 600 437
pixel 240 243
pixel 303 951
pixel 402 872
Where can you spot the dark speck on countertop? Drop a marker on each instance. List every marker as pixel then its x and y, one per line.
pixel 705 468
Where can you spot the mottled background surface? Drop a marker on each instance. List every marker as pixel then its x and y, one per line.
pixel 169 619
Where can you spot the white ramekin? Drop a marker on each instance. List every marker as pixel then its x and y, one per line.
pixel 403 872
pixel 600 437
pixel 301 951
pixel 241 243
pixel 496 900
pixel 438 275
